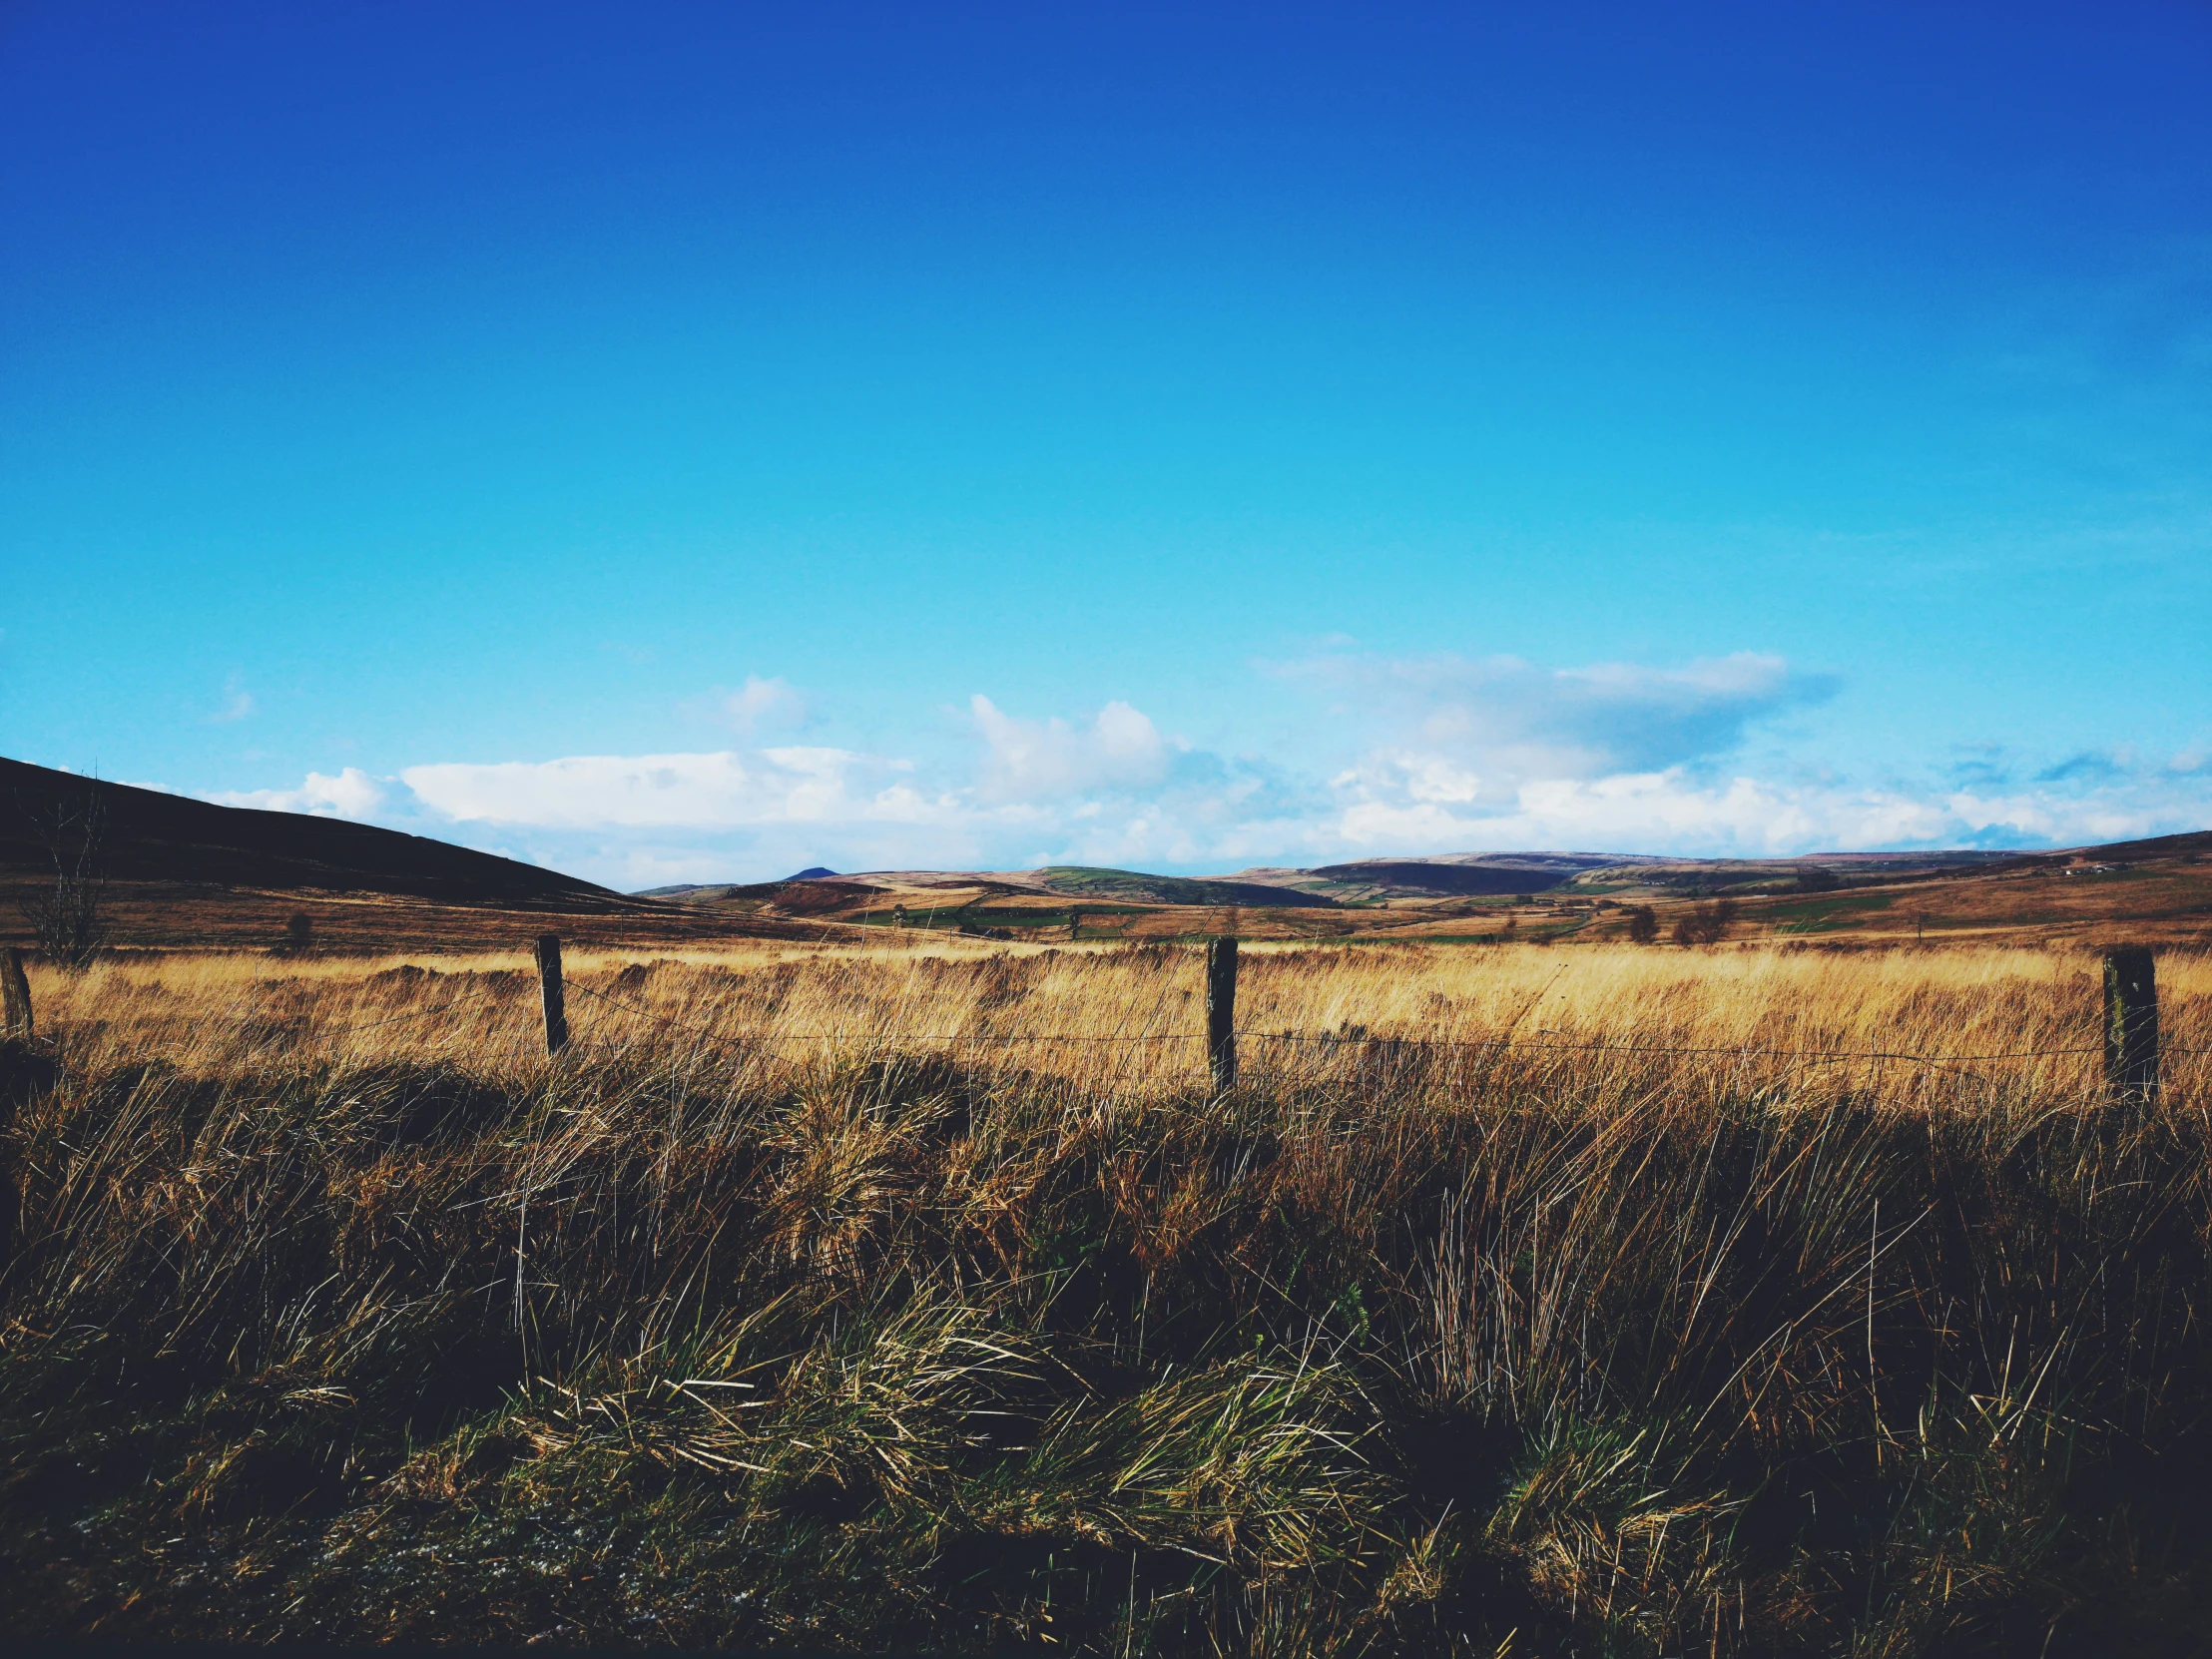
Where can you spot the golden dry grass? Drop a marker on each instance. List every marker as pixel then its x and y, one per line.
pixel 926 1295
pixel 1961 1027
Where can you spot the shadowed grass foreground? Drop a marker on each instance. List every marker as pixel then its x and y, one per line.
pixel 326 1327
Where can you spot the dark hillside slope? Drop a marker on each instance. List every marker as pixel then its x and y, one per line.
pixel 2195 844
pixel 1134 886
pixel 152 836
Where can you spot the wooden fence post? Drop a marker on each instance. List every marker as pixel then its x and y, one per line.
pixel 549 988
pixel 1075 924
pixel 1220 1013
pixel 2131 1025
pixel 15 996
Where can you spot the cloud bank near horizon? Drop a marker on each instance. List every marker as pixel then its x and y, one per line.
pixel 1446 754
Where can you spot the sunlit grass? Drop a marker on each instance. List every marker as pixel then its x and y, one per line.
pixel 1623 1299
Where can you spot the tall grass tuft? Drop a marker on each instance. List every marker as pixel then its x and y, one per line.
pixel 928 1296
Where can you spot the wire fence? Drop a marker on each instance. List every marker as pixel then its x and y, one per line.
pixel 1316 1051
pixel 1340 1041
pixel 743 1031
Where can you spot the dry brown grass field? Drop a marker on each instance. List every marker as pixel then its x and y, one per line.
pixel 921 1293
pixel 1133 1019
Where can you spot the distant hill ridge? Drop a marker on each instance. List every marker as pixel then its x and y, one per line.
pixel 1437 876
pixel 152 837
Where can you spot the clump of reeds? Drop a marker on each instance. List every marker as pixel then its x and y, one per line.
pixel 929 1297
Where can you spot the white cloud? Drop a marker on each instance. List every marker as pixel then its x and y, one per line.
pixel 352 794
pixel 1494 754
pixel 1676 811
pixel 720 790
pixel 763 703
pixel 237 702
pixel 1509 721
pixel 1663 811
pixel 1030 759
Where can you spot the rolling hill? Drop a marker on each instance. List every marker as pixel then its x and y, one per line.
pixel 2155 890
pixel 152 837
pixel 1130 886
pixel 1464 875
pixel 179 872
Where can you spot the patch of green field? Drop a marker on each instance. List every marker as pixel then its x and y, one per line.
pixel 982 917
pixel 1083 881
pixel 1819 916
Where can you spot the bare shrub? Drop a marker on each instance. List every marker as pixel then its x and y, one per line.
pixel 1708 923
pixel 64 917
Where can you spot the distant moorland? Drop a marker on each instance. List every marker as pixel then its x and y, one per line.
pixel 185 874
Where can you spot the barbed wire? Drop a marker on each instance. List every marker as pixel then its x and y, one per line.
pixel 670 1021
pixel 1660 1048
pixel 1358 1043
pixel 1347 1040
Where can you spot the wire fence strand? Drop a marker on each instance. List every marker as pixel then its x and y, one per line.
pixel 1335 1040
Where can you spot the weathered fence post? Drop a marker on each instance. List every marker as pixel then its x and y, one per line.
pixel 1220 1013
pixel 549 986
pixel 2131 1025
pixel 15 996
pixel 1075 925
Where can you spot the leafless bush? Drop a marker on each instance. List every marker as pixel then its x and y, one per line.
pixel 66 918
pixel 1706 924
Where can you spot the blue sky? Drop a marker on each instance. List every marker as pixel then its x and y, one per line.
pixel 690 442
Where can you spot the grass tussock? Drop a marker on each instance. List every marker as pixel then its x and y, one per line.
pixel 1613 1301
